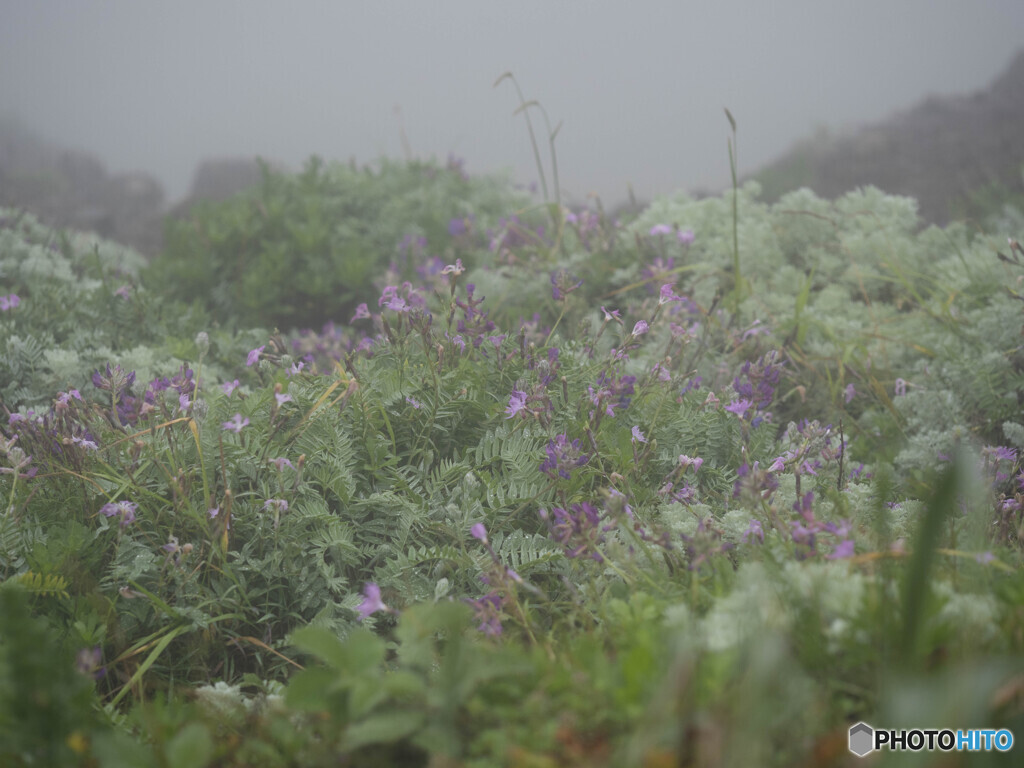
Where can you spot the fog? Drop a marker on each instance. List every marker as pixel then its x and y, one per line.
pixel 638 87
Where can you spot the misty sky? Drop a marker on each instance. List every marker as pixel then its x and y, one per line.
pixel 640 86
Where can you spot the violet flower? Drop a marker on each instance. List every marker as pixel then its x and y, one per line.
pixel 516 403
pixel 371 601
pixel 236 424
pixel 122 509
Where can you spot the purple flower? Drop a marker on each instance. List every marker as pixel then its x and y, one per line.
pixel 563 283
pixel 754 531
pixel 685 461
pixel 454 269
pixel 850 392
pixel 488 612
pixel 578 529
pixel 229 386
pixel 414 402
pixel 281 463
pixel 638 436
pixel 89 662
pixel 478 531
pixel 295 368
pixel 613 315
pixel 254 356
pixel 457 227
pixel 89 445
pixel 362 313
pixel 282 398
pixel 705 544
pixel 984 557
pixel 371 601
pixel 64 400
pixel 9 302
pixel 123 509
pixel 563 457
pixel 390 298
pixel 113 380
pixel 516 403
pixel 842 550
pixel 183 402
pixel 1000 452
pixel 640 328
pixel 685 236
pixel 275 505
pixel 660 229
pixel 900 388
pixel 236 423
pixel 124 292
pixel 739 407
pixel 668 295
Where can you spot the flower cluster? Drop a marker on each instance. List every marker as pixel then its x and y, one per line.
pixel 596 233
pixel 401 299
pixel 704 544
pixel 474 325
pixel 579 529
pixel 114 380
pixel 806 529
pixel 613 391
pixel 563 457
pixel 756 384
pixel 563 282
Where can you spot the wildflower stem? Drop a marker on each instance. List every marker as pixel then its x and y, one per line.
pixel 553 327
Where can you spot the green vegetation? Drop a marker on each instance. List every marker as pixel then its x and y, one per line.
pixel 541 489
pixel 302 248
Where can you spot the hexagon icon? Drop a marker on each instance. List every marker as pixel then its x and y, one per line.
pixel 862 738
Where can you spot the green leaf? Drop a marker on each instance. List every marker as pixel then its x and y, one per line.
pixel 383 728
pixel 192 747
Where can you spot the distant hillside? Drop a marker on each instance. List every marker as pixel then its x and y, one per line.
pixel 69 188
pixel 949 152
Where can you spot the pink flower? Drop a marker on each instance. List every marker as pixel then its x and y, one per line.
pixel 660 229
pixel 362 312
pixel 254 356
pixel 229 387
